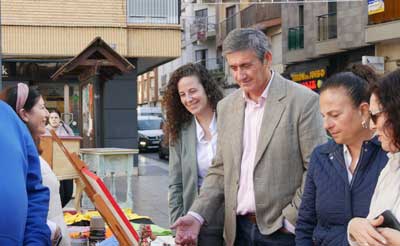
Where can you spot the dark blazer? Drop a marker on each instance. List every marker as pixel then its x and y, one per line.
pixel 329 200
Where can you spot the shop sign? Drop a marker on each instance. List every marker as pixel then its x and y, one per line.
pixel 4 71
pixel 312 79
pixel 313 84
pixel 375 6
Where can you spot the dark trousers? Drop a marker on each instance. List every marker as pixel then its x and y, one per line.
pixel 66 189
pixel 211 237
pixel 248 234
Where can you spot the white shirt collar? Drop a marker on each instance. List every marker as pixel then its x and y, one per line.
pixel 347 160
pixel 394 160
pixel 212 127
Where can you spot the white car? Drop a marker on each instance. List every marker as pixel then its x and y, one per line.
pixel 150 132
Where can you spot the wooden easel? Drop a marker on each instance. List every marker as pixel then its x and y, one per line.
pixel 102 199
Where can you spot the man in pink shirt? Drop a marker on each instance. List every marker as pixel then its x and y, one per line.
pixel 266 132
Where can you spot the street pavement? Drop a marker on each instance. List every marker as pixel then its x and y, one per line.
pixel 150 189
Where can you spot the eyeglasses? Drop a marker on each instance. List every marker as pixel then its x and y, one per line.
pixel 374 116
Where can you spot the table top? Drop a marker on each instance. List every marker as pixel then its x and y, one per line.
pixel 108 151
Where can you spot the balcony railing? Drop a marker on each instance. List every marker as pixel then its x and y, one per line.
pixel 212 64
pixel 327 26
pixel 226 26
pixel 257 13
pixel 202 27
pixel 296 38
pixel 153 11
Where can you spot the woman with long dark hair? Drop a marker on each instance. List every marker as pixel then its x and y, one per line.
pixel 190 103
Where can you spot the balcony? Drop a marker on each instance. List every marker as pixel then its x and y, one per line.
pixel 153 11
pixel 327 26
pixel 215 66
pixel 202 28
pixel 391 13
pixel 226 26
pixel 385 25
pixel 212 64
pixel 296 38
pixel 263 15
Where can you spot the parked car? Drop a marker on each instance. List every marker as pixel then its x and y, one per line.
pixel 150 133
pixel 163 150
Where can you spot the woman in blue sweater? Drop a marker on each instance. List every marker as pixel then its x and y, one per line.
pixel 24 200
pixel 343 172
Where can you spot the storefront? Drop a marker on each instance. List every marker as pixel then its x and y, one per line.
pixel 313 73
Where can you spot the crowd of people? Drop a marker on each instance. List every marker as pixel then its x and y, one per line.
pixel 286 165
pixel 273 163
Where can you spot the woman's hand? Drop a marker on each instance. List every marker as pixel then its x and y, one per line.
pixel 392 236
pixel 363 231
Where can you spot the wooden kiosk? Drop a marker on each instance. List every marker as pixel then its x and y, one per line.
pixel 59 163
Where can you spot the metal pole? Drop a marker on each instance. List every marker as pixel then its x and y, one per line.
pixel 97 103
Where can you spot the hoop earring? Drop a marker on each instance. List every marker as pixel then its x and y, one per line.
pixel 364 124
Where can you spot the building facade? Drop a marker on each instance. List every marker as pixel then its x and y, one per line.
pixel 320 39
pixel 38 37
pixel 383 30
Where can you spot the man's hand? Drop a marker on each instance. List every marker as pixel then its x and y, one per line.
pixel 187 230
pixel 364 231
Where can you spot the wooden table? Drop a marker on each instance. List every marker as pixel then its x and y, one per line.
pixel 112 163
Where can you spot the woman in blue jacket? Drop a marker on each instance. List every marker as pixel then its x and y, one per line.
pixel 343 172
pixel 24 200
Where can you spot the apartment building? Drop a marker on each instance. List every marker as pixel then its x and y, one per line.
pixel 198 46
pixel 320 39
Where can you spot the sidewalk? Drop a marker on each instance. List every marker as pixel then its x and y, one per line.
pixel 150 190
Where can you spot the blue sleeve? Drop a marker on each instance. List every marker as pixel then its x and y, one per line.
pixel 36 229
pixel 307 220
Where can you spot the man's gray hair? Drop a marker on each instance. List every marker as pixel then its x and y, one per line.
pixel 247 39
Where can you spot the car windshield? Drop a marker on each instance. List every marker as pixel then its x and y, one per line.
pixel 149 124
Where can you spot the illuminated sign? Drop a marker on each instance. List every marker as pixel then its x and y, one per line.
pixel 312 79
pixel 314 74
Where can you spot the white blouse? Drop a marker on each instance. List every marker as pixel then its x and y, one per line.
pixel 387 191
pixel 55 214
pixel 205 150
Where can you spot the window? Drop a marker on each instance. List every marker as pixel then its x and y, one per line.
pixel 301 15
pixel 230 18
pixel 201 13
pixel 153 11
pixel 201 57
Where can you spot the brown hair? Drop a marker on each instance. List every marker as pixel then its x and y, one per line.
pixel 387 91
pixel 177 114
